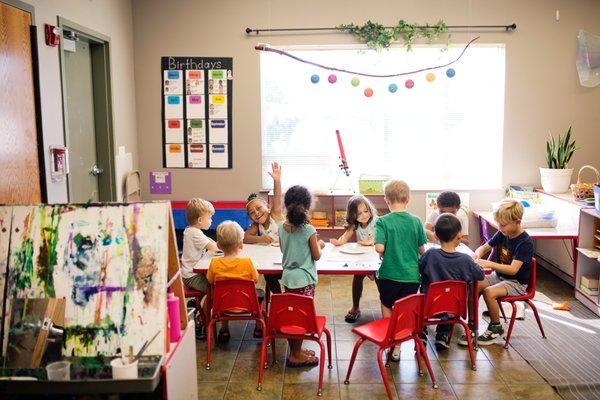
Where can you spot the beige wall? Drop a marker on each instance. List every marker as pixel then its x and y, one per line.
pixel 112 18
pixel 542 89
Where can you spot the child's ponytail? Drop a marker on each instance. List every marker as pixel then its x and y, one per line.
pixel 297 203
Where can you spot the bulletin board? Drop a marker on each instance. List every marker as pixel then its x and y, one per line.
pixel 196 112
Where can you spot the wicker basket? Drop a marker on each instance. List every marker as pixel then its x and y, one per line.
pixel 583 190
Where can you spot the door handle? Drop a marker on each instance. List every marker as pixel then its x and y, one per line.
pixel 96 170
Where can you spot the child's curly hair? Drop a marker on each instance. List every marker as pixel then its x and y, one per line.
pixel 297 202
pixel 352 210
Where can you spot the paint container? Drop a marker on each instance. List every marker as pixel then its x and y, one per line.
pixel 124 371
pixel 59 371
pixel 174 321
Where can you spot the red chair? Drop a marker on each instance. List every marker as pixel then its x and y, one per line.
pixel 527 297
pixel 233 299
pixel 405 324
pixel 197 295
pixel 293 316
pixel 448 297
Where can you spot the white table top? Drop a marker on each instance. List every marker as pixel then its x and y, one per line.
pixel 564 230
pixel 267 259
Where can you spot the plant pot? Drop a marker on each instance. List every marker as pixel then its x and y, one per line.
pixel 556 180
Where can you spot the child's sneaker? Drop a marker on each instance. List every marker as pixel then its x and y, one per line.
pixel 463 338
pixel 441 341
pixel 491 335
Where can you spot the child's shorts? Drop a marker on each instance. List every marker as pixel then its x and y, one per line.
pixel 197 282
pixel 390 291
pixel 513 287
pixel 305 291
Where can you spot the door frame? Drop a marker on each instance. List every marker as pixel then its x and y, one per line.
pixel 102 97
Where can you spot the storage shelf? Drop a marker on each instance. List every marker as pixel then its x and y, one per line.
pixel 591 298
pixel 587 256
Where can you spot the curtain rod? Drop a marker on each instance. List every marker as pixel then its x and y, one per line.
pixel 507 28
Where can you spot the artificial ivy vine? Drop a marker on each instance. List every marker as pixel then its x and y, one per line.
pixel 377 37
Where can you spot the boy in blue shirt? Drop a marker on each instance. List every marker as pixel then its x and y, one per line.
pixel 511 266
pixel 445 263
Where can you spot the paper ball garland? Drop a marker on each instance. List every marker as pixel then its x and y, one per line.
pixel 450 72
pixel 392 87
pixel 332 78
pixel 430 77
pixel 314 78
pixel 355 82
pixel 409 84
pixel 368 92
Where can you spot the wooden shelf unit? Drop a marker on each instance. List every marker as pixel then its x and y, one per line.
pixel 332 202
pixel 589 238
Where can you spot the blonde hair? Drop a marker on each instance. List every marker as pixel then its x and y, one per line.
pixel 229 235
pixel 397 191
pixel 197 208
pixel 509 211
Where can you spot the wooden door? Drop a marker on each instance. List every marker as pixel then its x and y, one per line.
pixel 19 163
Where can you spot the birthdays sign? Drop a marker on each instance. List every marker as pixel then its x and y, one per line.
pixel 196 112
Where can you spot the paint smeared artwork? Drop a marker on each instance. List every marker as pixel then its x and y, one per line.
pixel 108 262
pixel 5 221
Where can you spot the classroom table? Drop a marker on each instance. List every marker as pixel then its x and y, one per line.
pixel 267 260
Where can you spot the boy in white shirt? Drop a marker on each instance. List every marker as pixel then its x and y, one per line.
pixel 199 214
pixel 447 202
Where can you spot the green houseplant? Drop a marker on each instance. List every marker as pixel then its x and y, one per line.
pixel 556 177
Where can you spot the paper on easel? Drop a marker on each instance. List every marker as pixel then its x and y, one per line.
pixel 219 156
pixel 194 81
pixel 218 132
pixel 195 131
pixel 173 82
pixel 197 156
pixel 217 106
pixel 174 131
pixel 174 156
pixel 195 106
pixel 173 107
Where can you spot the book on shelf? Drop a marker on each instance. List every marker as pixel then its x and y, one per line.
pixel 589 282
pixel 589 292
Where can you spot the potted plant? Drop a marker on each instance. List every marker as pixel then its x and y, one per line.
pixel 557 176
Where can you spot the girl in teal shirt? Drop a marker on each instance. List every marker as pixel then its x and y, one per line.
pixel 300 248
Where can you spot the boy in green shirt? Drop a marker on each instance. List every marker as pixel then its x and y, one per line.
pixel 400 240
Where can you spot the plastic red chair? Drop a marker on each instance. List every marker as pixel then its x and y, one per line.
pixel 527 297
pixel 293 316
pixel 197 295
pixel 448 297
pixel 233 299
pixel 405 324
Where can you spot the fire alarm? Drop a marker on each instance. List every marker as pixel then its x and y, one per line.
pixel 52 35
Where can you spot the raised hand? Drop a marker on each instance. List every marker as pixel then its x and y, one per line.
pixel 275 171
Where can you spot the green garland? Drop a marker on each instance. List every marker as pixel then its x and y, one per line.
pixel 377 37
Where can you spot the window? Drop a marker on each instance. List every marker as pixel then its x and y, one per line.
pixel 445 134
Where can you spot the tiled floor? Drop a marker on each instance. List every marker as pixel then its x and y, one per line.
pixel 501 374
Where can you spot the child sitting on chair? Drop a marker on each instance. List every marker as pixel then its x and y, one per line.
pixel 448 202
pixel 400 240
pixel 263 229
pixel 230 237
pixel 511 266
pixel 361 217
pixel 198 213
pixel 447 264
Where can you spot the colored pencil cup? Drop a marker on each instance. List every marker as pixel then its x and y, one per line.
pixel 124 371
pixel 59 371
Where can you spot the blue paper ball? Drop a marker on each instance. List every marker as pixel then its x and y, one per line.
pixel 450 72
pixel 314 78
pixel 392 87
